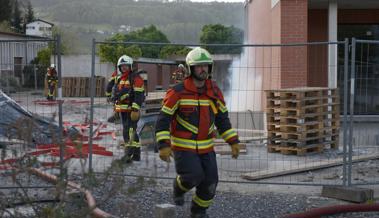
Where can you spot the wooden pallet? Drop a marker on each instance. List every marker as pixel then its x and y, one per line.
pixel 305 91
pixel 296 136
pixel 295 150
pixel 80 86
pixel 301 127
pixel 278 102
pixel 300 112
pixel 302 120
pixel 295 142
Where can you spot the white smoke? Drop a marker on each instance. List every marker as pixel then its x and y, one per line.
pixel 245 89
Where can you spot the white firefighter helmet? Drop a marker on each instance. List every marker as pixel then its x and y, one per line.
pixel 124 60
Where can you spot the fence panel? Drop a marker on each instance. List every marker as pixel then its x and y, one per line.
pixel 244 77
pixel 364 144
pixel 28 121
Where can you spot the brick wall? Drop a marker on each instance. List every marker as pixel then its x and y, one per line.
pixel 294 23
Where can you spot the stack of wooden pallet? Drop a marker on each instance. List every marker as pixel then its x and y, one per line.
pixel 302 120
pixel 80 86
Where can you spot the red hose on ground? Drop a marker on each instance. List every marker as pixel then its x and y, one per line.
pixel 337 209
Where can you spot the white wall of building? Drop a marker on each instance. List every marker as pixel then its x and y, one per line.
pixel 10 50
pixel 39 28
pixel 80 66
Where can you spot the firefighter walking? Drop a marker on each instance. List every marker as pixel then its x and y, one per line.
pixel 185 130
pixel 129 96
pixel 52 81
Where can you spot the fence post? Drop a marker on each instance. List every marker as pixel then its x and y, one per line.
pixel 35 78
pixel 345 90
pixel 352 95
pixel 60 102
pixel 92 95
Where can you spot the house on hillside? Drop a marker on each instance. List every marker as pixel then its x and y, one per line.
pixel 39 28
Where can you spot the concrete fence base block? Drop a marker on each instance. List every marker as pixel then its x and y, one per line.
pixel 353 194
pixel 165 211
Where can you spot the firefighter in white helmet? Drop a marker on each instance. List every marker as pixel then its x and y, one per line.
pixel 129 96
pixel 52 81
pixel 179 74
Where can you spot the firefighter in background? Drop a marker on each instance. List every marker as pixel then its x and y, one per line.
pixel 52 81
pixel 179 75
pixel 109 93
pixel 129 96
pixel 185 130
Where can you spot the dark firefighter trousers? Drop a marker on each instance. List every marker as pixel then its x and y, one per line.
pixel 200 171
pixel 129 127
pixel 51 89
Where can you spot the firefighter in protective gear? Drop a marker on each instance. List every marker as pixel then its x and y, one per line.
pixel 185 130
pixel 109 93
pixel 179 75
pixel 129 96
pixel 52 81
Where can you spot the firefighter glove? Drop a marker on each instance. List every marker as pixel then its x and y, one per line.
pixel 134 115
pixel 165 153
pixel 235 150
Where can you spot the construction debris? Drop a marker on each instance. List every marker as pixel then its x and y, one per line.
pixel 18 123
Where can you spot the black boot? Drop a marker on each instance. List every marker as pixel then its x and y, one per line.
pixel 136 154
pixel 111 119
pixel 198 212
pixel 178 195
pixel 128 157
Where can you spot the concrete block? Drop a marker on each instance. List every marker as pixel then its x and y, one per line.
pixel 353 194
pixel 165 211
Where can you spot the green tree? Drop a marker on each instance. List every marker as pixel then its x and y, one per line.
pixel 16 18
pixel 148 34
pixel 5 26
pixel 29 17
pixel 5 10
pixel 172 50
pixel 111 52
pixel 220 34
pixel 43 57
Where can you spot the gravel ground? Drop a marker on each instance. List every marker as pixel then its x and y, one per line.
pixel 136 200
pixel 33 189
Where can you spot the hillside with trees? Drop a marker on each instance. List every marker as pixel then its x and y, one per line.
pixel 181 21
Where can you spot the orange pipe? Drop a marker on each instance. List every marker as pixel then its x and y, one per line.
pixel 96 212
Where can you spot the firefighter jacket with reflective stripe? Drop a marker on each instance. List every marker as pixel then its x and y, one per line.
pixel 110 84
pixel 188 118
pixel 129 92
pixel 51 76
